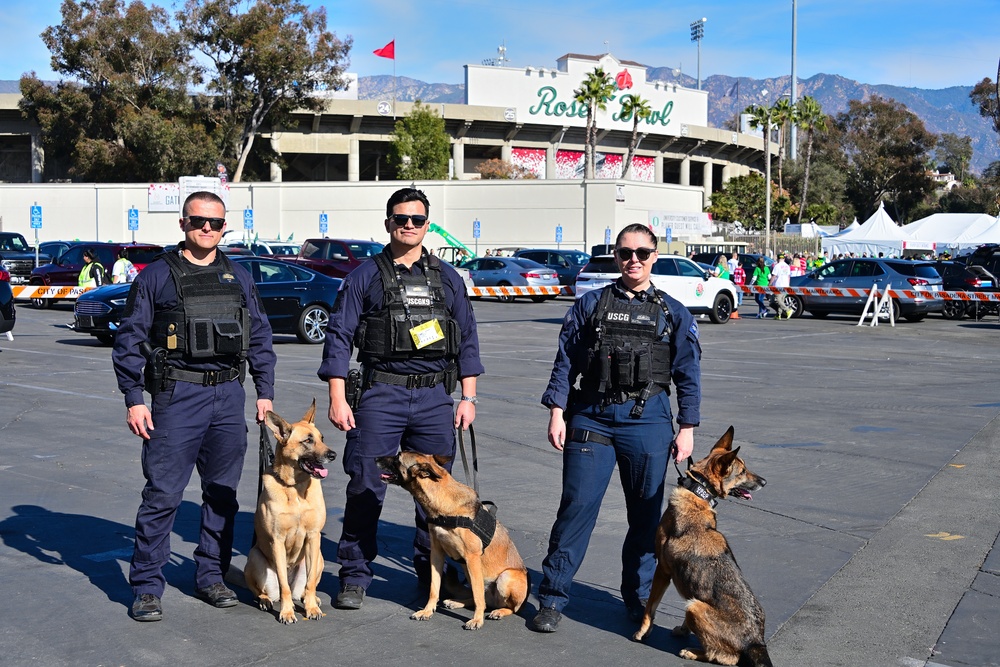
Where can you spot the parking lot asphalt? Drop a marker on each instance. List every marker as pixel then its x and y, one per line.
pixel 872 544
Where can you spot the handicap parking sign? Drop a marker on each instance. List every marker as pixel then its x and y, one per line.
pixel 248 218
pixel 36 217
pixel 323 223
pixel 133 219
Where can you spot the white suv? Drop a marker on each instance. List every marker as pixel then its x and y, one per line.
pixel 678 276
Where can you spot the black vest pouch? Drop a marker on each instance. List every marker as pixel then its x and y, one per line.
pixel 228 337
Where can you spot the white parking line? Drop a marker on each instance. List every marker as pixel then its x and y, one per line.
pixel 61 391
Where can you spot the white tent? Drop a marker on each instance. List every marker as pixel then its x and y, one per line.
pixel 876 234
pixel 990 234
pixel 849 228
pixel 949 228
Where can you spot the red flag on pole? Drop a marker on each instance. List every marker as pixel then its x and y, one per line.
pixel 387 51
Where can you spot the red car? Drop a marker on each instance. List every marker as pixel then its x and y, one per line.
pixel 65 270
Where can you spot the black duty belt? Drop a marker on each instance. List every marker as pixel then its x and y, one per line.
pixel 579 435
pixel 418 381
pixel 205 378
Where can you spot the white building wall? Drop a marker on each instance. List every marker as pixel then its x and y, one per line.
pixel 522 213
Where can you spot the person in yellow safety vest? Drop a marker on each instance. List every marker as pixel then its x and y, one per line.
pixel 92 273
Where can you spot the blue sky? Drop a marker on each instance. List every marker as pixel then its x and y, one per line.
pixel 919 43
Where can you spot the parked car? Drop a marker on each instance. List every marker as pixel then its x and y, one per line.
pixel 511 272
pixel 66 269
pixel 55 249
pixel 747 260
pixel 333 257
pixel 863 272
pixel 689 282
pixel 7 313
pixel 18 258
pixel 263 247
pixel 958 277
pixel 297 301
pixel 566 263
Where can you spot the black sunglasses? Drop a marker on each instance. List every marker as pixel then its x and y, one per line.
pixel 198 222
pixel 400 219
pixel 625 254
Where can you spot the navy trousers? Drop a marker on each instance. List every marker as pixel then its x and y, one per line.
pixel 389 418
pixel 641 451
pixel 194 427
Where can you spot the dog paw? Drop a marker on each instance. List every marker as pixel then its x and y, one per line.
pixel 452 604
pixel 688 654
pixel 473 624
pixel 640 636
pixel 287 617
pixel 264 604
pixel 314 614
pixel 422 615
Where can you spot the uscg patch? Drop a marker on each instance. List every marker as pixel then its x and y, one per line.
pixel 694 329
pixel 226 277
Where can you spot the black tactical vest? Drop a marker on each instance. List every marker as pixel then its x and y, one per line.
pixel 408 300
pixel 626 354
pixel 210 321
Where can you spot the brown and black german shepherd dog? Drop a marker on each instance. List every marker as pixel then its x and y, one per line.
pixel 722 611
pixel 496 573
pixel 286 562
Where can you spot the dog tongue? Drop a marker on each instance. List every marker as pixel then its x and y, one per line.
pixel 321 471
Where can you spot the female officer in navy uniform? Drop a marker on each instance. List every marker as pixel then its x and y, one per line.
pixel 625 343
pixel 410 317
pixel 192 322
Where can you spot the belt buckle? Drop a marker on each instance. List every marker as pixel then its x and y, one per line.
pixel 412 381
pixel 210 378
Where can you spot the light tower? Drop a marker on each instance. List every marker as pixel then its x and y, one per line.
pixel 697 32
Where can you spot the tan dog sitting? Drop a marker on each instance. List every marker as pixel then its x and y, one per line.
pixel 286 561
pixel 462 529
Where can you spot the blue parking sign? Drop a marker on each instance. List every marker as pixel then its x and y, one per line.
pixel 36 217
pixel 607 236
pixel 559 234
pixel 133 219
pixel 670 234
pixel 248 218
pixel 476 228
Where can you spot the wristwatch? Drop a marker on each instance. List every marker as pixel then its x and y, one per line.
pixel 471 399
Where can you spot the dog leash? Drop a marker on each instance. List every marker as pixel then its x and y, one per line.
pixel 265 457
pixel 472 476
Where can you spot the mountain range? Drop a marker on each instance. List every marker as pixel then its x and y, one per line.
pixel 944 110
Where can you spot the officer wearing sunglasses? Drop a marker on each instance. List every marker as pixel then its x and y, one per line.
pixel 193 322
pixel 410 317
pixel 608 396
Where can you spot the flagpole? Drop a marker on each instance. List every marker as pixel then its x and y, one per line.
pixel 394 77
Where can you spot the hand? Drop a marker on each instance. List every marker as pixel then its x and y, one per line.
pixel 557 428
pixel 341 415
pixel 465 414
pixel 138 418
pixel 264 405
pixel 684 442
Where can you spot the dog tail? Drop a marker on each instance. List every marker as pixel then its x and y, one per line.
pixel 758 655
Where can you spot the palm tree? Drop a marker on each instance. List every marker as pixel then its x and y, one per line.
pixel 764 118
pixel 638 109
pixel 593 93
pixel 785 114
pixel 811 119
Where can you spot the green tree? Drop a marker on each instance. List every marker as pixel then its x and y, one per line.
pixel 497 169
pixel 125 115
pixel 261 64
pixel 954 153
pixel 594 92
pixel 886 147
pixel 986 96
pixel 810 119
pixel 420 147
pixel 637 109
pixel 743 199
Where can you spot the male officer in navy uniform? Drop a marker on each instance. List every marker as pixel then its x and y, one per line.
pixel 192 323
pixel 411 320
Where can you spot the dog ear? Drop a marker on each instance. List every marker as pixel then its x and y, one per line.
pixel 442 460
pixel 725 462
pixel 281 429
pixel 725 443
pixel 310 415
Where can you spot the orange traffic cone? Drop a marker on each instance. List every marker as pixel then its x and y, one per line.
pixel 735 315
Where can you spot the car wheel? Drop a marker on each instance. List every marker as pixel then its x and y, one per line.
pixel 795 303
pixel 539 299
pixel 42 303
pixel 819 315
pixel 954 310
pixel 721 309
pixel 106 338
pixel 312 324
pixel 505 298
pixel 915 317
pixel 884 313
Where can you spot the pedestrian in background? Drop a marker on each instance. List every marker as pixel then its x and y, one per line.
pixel 92 274
pixel 124 270
pixel 761 277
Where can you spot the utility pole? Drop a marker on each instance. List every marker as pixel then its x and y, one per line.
pixel 793 135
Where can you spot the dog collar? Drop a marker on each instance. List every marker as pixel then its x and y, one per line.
pixel 484 526
pixel 698 489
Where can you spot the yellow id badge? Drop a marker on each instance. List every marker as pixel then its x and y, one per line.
pixel 427 333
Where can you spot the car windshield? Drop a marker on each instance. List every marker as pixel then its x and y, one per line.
pixel 143 255
pixel 601 265
pixel 527 263
pixel 577 258
pixel 914 269
pixel 363 249
pixel 13 243
pixel 284 249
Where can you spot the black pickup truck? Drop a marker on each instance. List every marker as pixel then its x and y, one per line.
pixel 18 257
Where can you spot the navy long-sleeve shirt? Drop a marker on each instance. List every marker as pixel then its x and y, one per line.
pixel 685 366
pixel 154 290
pixel 361 295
